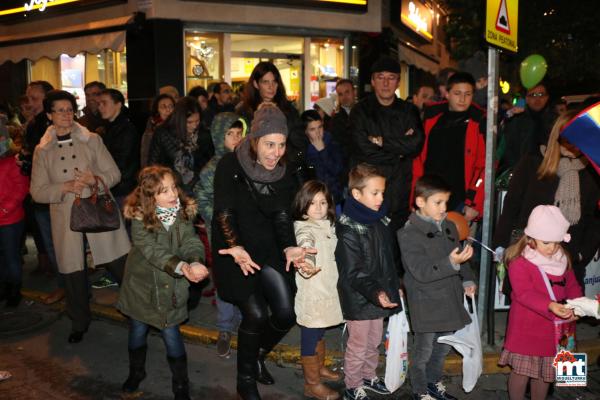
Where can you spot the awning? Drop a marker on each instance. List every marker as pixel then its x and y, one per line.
pixel 90 37
pixel 411 57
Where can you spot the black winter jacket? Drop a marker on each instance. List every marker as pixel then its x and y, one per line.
pixel 524 133
pixel 365 259
pixel 123 143
pixel 526 191
pixel 341 132
pixel 402 131
pixel 253 215
pixel 165 145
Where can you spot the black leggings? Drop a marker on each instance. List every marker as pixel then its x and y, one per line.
pixel 276 294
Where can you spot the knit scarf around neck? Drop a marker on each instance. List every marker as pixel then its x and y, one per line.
pixel 361 213
pixel 167 215
pixel 568 194
pixel 555 265
pixel 253 169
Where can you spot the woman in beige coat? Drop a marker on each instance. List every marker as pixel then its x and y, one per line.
pixel 64 164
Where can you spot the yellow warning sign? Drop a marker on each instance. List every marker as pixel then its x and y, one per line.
pixel 501 23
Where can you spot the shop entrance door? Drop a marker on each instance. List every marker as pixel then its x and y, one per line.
pixel 290 67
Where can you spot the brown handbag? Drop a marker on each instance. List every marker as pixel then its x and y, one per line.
pixel 97 213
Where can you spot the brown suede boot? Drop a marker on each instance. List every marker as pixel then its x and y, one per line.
pixel 325 372
pixel 313 388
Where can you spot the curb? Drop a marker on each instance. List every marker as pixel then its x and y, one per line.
pixel 287 354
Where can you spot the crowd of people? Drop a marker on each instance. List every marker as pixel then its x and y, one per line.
pixel 315 219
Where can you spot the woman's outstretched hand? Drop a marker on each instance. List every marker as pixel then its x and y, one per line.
pixel 241 258
pixel 296 256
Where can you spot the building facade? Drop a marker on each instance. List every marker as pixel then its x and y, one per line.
pixel 137 46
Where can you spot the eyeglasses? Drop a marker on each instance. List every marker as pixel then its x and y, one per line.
pixel 63 111
pixel 226 91
pixel 538 94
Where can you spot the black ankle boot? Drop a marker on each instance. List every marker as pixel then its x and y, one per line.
pixel 268 339
pixel 247 352
pixel 180 381
pixel 137 369
pixel 262 373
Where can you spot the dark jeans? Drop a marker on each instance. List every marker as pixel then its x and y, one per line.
pixel 138 331
pixel 42 217
pixel 309 337
pixel 427 360
pixel 10 252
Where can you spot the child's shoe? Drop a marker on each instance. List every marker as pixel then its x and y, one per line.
pixel 375 385
pixel 356 394
pixel 438 391
pixel 425 396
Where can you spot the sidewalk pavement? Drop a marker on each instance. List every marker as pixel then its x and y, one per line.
pixel 201 326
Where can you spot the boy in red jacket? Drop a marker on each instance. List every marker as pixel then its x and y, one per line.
pixel 454 146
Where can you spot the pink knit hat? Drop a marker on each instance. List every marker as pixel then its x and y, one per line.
pixel 548 224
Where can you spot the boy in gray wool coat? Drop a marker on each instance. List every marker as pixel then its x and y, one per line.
pixel 436 280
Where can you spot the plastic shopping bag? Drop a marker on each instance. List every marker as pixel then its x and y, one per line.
pixel 467 342
pixel 396 362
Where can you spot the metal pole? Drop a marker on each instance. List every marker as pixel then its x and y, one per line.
pixel 488 205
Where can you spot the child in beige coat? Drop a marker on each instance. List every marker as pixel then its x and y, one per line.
pixel 317 303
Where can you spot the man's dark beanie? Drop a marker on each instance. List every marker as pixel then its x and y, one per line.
pixel 387 64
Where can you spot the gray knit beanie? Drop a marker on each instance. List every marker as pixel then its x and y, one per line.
pixel 268 119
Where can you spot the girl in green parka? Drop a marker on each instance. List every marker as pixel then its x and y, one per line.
pixel 166 252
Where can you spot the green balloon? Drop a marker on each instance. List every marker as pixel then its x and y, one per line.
pixel 533 69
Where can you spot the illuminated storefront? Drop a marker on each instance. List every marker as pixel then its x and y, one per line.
pixel 185 43
pixel 309 66
pixel 72 73
pixel 419 26
pixel 67 42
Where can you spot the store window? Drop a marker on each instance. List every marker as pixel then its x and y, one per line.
pixel 327 66
pixel 72 73
pixel 285 52
pixel 202 59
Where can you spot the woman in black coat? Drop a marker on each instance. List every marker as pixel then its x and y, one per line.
pixel 122 141
pixel 180 143
pixel 558 175
pixel 253 234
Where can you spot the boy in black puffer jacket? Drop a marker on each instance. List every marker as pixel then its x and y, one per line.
pixel 368 285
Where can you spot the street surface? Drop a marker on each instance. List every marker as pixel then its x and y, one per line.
pixel 45 367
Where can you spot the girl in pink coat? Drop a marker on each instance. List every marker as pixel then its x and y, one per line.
pixel 13 189
pixel 542 279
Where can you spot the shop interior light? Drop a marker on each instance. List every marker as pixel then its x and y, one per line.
pixel 196 38
pixel 354 47
pixel 504 86
pixel 326 45
pixel 342 47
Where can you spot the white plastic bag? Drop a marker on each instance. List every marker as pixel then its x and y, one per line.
pixel 396 361
pixel 467 342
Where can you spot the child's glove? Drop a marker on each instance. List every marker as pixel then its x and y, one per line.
pixel 583 306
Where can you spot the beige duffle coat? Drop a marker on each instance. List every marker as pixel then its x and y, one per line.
pixel 317 302
pixel 55 163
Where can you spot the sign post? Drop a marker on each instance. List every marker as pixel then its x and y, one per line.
pixel 501 29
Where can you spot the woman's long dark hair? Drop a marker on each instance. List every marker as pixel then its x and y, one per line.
pixel 177 122
pixel 252 94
